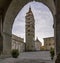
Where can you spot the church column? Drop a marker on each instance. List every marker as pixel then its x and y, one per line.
pixel 4 36
pixel 7 43
pixel 57 26
pixel 58 31
pixel 1 38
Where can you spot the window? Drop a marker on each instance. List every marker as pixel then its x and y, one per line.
pixel 28 30
pixel 29 34
pixel 28 18
pixel 28 25
pixel 49 44
pixel 53 43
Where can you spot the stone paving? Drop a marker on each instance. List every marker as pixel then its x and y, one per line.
pixel 13 60
pixel 45 55
pixel 30 57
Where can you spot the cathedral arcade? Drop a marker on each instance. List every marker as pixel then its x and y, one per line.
pixel 8 12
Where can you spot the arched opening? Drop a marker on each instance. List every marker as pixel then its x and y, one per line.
pixel 43 24
pixel 9 19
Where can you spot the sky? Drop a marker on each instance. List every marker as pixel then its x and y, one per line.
pixel 43 21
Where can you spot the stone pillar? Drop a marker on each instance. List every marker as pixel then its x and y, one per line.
pixel 1 38
pixel 58 31
pixel 58 27
pixel 6 44
pixel 54 26
pixel 1 26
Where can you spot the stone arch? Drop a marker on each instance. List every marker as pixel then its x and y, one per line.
pixel 12 11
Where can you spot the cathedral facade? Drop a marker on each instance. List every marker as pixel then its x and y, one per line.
pixel 30 31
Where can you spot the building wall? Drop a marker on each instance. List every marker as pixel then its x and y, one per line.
pixel 38 45
pixel 49 42
pixel 18 43
pixel 43 48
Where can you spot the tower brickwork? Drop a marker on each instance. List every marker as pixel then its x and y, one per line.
pixel 30 31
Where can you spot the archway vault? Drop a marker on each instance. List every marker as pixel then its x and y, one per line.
pixel 12 11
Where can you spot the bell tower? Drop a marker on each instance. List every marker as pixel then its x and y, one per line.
pixel 30 30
